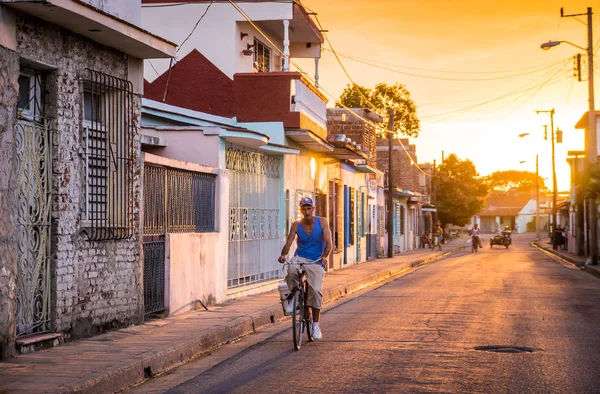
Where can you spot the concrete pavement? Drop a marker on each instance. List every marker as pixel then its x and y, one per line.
pixel 116 360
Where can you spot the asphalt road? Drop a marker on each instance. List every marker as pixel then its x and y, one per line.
pixel 501 320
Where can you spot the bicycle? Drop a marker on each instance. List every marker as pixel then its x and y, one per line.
pixel 474 243
pixel 301 317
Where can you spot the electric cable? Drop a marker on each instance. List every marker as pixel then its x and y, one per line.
pixel 446 78
pixel 195 26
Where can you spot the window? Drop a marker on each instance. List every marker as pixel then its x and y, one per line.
pixel 336 214
pixel 262 57
pixel 30 102
pixel 402 219
pixel 178 201
pixel 397 219
pixel 108 131
pixel 352 216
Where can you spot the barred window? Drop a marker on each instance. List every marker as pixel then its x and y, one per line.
pixel 108 142
pixel 30 103
pixel 178 201
pixel 262 57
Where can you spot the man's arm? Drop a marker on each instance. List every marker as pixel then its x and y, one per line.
pixel 288 242
pixel 327 239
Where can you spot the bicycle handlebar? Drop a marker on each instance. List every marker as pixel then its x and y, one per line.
pixel 317 261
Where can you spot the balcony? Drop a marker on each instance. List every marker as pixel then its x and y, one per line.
pixel 285 97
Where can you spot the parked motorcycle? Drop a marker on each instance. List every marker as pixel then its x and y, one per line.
pixel 502 239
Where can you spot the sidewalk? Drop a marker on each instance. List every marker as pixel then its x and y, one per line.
pixel 113 361
pixel 574 259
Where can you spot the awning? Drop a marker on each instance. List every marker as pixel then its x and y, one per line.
pixel 278 149
pixel 364 168
pixel 428 210
pixel 309 140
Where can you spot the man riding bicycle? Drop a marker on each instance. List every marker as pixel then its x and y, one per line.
pixel 313 243
pixel 476 233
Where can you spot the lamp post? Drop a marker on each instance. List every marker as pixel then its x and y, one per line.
pixel 590 140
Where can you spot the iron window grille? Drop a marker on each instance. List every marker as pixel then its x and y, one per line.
pixel 30 102
pixel 262 57
pixel 178 201
pixel 108 142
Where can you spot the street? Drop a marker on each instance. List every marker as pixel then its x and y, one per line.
pixel 500 320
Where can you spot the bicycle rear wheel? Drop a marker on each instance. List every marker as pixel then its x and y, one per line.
pixel 298 318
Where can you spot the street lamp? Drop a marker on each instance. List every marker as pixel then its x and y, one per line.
pixel 590 140
pixel 547 45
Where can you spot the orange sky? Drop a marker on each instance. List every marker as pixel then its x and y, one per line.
pixel 470 39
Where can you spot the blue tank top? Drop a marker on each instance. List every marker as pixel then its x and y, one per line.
pixel 310 246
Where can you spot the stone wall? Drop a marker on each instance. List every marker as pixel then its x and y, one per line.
pixel 96 286
pixel 356 128
pixel 9 68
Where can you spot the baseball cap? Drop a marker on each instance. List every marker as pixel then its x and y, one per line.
pixel 306 201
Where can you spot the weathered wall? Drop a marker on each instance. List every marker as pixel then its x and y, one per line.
pixel 9 67
pixel 96 284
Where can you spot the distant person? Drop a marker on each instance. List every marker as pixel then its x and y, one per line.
pixel 426 240
pixel 476 233
pixel 438 235
pixel 516 228
pixel 565 233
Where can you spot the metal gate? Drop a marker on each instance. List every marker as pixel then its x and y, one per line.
pixel 154 275
pixel 154 238
pixel 254 198
pixel 33 227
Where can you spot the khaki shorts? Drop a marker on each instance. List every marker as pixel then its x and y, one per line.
pixel 314 276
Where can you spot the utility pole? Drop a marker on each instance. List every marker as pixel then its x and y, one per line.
pixel 537 200
pixel 592 147
pixel 591 137
pixel 390 212
pixel 554 187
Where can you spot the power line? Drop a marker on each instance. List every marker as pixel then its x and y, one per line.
pixel 447 78
pixel 482 103
pixel 196 25
pixel 445 71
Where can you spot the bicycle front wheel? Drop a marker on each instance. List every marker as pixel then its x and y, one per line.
pixel 308 318
pixel 298 318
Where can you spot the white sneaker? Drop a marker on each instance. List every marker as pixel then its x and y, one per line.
pixel 316 334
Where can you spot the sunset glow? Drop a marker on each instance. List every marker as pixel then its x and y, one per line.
pixel 474 69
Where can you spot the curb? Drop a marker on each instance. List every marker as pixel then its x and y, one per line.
pixel 568 259
pixel 577 263
pixel 592 271
pixel 129 374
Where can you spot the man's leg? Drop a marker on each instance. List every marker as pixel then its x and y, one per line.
pixel 316 313
pixel 292 277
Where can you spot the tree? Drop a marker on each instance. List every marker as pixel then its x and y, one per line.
pixel 522 181
pixel 460 192
pixel 381 99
